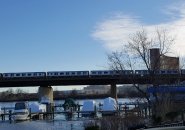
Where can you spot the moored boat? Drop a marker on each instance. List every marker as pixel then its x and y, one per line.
pixel 89 108
pixel 21 111
pixel 109 106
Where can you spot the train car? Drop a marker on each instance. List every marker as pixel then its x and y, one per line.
pixel 24 75
pixel 123 72
pixel 67 73
pixel 142 72
pixel 101 73
pixel 182 71
pixel 1 76
pixel 168 72
pixel 128 72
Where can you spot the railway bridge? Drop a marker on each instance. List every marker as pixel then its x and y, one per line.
pixel 45 83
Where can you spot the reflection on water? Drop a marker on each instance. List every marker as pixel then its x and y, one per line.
pixel 43 125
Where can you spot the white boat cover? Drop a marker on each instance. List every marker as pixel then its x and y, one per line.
pixel 45 100
pixel 89 105
pixel 36 107
pixel 109 104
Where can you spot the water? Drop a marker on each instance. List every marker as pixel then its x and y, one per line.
pixel 43 125
pixel 59 123
pixel 58 102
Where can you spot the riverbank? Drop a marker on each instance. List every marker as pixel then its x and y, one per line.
pixel 34 97
pixel 169 128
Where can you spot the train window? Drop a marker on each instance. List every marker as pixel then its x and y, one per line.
pixel 6 75
pixel 73 73
pixel 67 73
pixel 84 73
pixel 61 73
pixel 17 74
pixel 175 71
pixel 99 72
pixel 55 73
pixel 12 75
pixel 105 72
pixel 29 74
pixel 162 72
pixel 78 73
pixel 23 74
pixel 93 72
pixel 35 74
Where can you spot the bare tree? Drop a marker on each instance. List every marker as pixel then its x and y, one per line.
pixel 136 55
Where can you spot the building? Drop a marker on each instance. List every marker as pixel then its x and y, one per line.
pixel 158 61
pixel 97 89
pixel 167 62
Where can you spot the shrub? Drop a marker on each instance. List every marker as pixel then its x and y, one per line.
pixel 92 128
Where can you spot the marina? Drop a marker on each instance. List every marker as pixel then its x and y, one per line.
pixel 66 118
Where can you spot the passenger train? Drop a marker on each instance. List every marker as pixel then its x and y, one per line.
pixel 94 73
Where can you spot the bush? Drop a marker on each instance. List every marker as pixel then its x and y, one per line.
pixel 92 128
pixel 172 115
pixel 156 120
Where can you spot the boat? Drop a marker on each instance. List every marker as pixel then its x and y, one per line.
pixel 89 108
pixel 21 111
pixel 109 107
pixel 37 107
pixel 70 107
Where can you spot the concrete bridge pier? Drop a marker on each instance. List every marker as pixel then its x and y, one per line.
pixel 113 91
pixel 45 94
pixel 46 97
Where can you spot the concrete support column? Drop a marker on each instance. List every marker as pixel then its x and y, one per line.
pixel 114 91
pixel 45 94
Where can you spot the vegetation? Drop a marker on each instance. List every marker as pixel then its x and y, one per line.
pixel 136 55
pixel 92 128
pixel 20 95
pixel 131 122
pixel 17 95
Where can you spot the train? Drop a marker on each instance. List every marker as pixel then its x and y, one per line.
pixel 93 73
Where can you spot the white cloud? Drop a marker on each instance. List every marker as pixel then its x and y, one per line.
pixel 114 31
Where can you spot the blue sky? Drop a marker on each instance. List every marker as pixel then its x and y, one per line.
pixel 47 35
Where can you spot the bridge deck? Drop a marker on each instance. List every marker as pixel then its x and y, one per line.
pixel 96 80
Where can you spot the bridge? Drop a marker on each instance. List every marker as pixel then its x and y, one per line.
pixel 94 80
pixel 45 83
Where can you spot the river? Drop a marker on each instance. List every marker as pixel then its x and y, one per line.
pixel 59 122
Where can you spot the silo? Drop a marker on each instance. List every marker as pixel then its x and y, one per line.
pixel 154 58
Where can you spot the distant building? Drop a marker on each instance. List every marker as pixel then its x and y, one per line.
pixel 158 61
pixel 97 89
pixel 69 92
pixel 167 62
